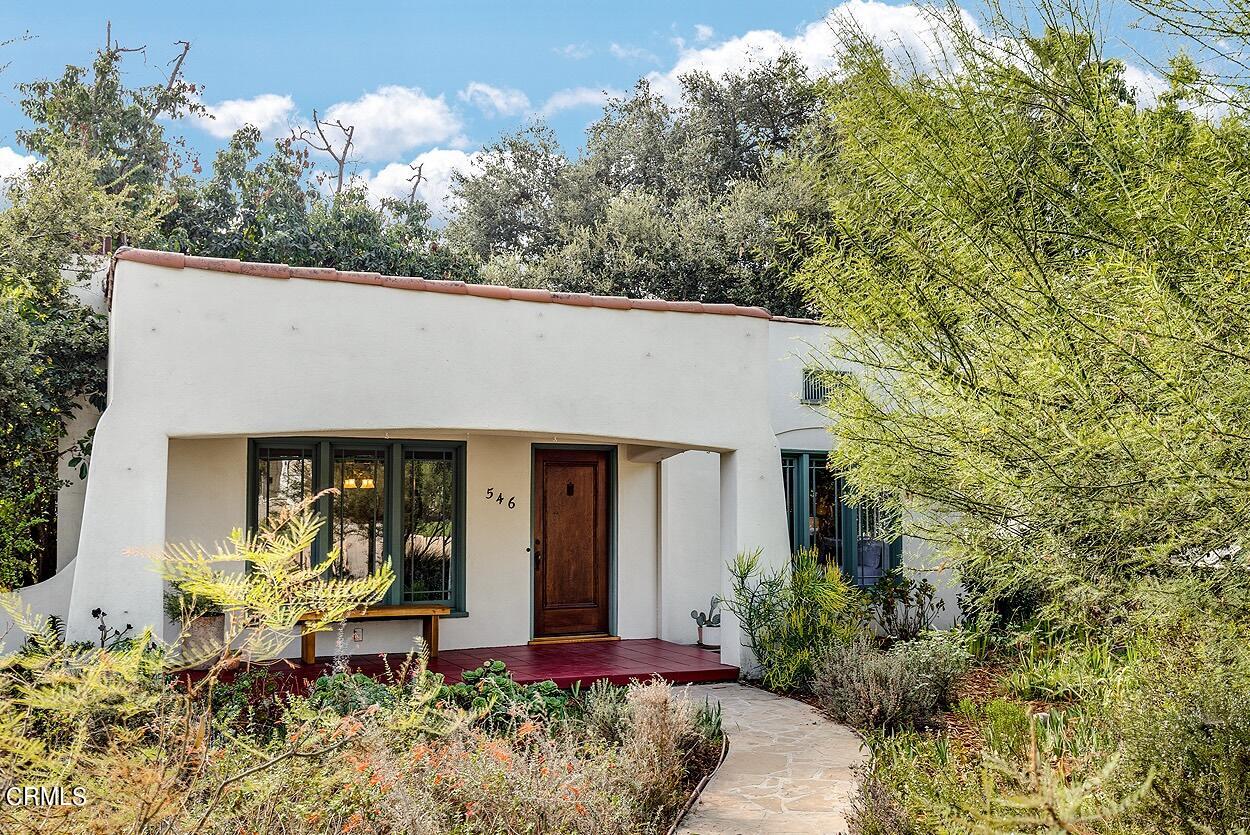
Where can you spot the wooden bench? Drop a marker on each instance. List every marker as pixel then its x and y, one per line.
pixel 429 616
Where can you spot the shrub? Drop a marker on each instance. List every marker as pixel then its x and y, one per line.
pixel 903 607
pixel 790 614
pixel 249 703
pixel 184 607
pixel 939 657
pixel 862 686
pixel 496 700
pixel 876 808
pixel 1186 719
pixel 603 711
pixel 1006 726
pixel 346 693
pixel 1063 672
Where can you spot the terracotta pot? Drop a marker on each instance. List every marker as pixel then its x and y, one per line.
pixel 205 634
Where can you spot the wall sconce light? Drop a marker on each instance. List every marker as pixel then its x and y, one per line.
pixel 366 483
pixel 349 484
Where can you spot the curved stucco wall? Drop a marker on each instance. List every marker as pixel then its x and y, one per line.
pixel 198 354
pixel 51 597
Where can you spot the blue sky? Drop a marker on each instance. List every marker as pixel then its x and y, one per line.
pixel 422 82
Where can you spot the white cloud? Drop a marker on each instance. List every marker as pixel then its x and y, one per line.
pixel 269 112
pixel 574 51
pixel 393 119
pixel 703 32
pixel 494 101
pixel 438 165
pixel 633 53
pixel 13 163
pixel 906 32
pixel 576 97
pixel 1148 86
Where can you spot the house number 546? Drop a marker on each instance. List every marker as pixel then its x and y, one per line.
pixel 499 497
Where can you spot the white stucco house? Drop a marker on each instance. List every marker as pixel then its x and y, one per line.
pixel 544 465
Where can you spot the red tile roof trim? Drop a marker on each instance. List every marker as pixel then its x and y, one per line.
pixel 178 261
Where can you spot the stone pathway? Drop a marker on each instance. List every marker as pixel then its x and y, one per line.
pixel 789 770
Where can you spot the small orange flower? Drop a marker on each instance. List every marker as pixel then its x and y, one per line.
pixel 354 821
pixel 581 809
pixel 527 728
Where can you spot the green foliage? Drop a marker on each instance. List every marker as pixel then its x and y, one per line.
pixel 902 687
pixel 121 128
pixel 268 208
pixel 102 161
pixel 902 606
pixel 667 199
pixel 1033 272
pixel 183 607
pixel 789 614
pixel 1067 672
pixel 268 599
pixel 494 698
pixel 1006 727
pixel 346 693
pixel 250 703
pixel 1183 718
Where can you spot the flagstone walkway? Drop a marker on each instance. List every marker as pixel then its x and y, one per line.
pixel 789 770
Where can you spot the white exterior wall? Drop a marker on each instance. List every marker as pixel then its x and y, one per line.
pixel 803 427
pixel 201 360
pixel 198 354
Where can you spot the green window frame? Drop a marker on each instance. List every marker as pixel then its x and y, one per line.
pixel 393 458
pixel 799 470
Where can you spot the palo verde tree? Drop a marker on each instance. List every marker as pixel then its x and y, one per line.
pixel 1045 281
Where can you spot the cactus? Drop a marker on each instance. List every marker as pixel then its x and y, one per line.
pixel 710 619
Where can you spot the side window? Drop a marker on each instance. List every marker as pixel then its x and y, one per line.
pixel 849 536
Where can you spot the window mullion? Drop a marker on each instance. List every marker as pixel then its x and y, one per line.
pixel 393 536
pixel 323 477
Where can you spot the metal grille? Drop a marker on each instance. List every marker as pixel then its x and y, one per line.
pixel 816 387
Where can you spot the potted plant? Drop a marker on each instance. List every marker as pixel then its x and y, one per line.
pixel 710 620
pixel 203 621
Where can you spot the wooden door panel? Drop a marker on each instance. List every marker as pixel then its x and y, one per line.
pixel 571 545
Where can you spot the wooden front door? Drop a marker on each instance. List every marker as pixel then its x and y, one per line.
pixel 571 508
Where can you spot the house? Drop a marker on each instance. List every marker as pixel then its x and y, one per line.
pixel 547 466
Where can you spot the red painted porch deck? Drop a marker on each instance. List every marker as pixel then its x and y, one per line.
pixel 617 661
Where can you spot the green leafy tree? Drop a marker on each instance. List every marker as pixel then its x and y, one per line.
pixel 270 208
pixel 1045 282
pixel 668 200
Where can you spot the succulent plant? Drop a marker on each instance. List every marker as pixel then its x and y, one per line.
pixel 712 616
